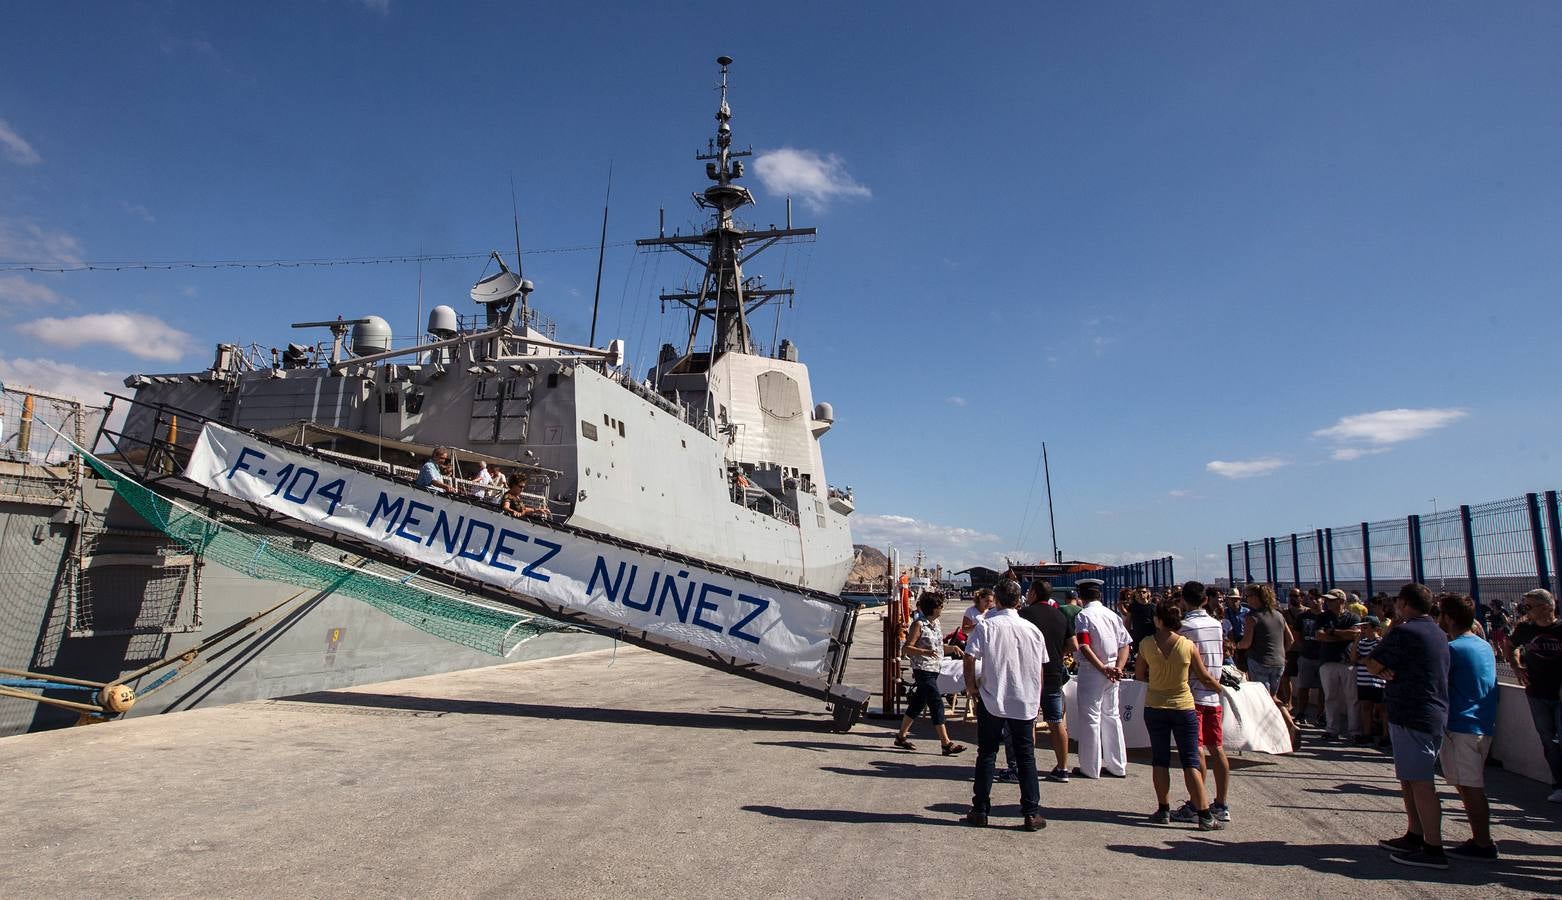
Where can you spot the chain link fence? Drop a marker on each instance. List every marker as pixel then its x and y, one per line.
pixel 1155 573
pixel 1492 551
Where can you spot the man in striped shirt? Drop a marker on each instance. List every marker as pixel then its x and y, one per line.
pixel 1206 633
pixel 1369 687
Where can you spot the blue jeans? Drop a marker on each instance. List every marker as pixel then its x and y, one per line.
pixel 1052 704
pixel 1268 676
pixel 1548 723
pixel 1162 724
pixel 989 735
pixel 925 696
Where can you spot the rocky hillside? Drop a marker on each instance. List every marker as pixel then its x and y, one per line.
pixel 869 565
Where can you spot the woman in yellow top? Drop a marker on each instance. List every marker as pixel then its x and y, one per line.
pixel 1165 660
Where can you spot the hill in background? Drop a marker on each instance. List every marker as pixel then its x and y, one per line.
pixel 869 564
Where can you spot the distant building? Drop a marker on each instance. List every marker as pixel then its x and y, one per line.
pixel 983 577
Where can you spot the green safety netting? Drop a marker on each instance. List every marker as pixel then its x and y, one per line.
pixel 274 556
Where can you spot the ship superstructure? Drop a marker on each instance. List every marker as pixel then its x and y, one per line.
pixel 715 454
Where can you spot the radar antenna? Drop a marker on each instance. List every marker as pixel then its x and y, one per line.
pixel 724 296
pixel 339 328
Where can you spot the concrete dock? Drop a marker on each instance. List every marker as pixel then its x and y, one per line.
pixel 632 774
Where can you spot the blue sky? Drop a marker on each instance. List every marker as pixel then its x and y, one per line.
pixel 1201 249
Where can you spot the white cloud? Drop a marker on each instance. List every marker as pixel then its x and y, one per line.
pixel 1346 454
pixel 817 179
pixel 1389 426
pixel 1127 557
pixel 15 147
pixel 86 385
pixel 17 291
pixel 25 242
pixel 140 212
pixel 66 380
pixel 1180 492
pixel 955 401
pixel 951 546
pixel 137 333
pixel 1247 468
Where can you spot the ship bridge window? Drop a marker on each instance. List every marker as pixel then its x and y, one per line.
pixel 392 401
pixel 414 402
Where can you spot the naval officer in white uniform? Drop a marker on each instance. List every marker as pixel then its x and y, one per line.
pixel 1103 652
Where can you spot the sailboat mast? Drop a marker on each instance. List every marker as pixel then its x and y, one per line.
pixel 1052 523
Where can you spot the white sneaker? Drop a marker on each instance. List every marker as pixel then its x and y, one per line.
pixel 1556 796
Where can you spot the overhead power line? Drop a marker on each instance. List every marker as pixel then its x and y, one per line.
pixel 118 265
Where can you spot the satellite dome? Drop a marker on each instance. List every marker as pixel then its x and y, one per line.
pixel 372 335
pixel 442 322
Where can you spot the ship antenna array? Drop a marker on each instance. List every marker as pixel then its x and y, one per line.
pixel 724 296
pixel 515 216
pixel 596 295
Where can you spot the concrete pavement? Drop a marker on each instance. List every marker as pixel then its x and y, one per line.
pixel 633 774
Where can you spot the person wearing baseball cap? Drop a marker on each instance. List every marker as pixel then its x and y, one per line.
pixel 1336 632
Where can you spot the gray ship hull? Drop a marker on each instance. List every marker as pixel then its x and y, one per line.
pixel 327 641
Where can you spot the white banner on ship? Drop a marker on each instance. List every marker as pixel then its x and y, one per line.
pixel 686 604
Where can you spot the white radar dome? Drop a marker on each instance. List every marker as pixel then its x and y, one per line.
pixel 372 335
pixel 442 322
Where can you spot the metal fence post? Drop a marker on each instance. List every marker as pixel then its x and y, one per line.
pixel 1417 562
pixel 1247 563
pixel 1538 538
pixel 1323 560
pixel 1366 557
pixel 1296 564
pixel 1171 571
pixel 1470 570
pixel 1269 562
pixel 1231 572
pixel 1554 520
pixel 1328 541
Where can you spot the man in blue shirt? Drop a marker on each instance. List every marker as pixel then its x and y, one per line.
pixel 435 471
pixel 1413 659
pixel 1472 720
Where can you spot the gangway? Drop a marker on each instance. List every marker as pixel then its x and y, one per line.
pixel 794 638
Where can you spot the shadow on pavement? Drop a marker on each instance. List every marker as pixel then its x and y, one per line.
pixel 1055 813
pixel 1362 861
pixel 671 718
pixel 826 746
pixel 851 816
pixel 885 768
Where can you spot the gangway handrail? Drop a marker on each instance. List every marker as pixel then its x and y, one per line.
pixel 263 437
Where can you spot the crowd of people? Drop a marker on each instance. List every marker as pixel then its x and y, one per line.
pixel 487 483
pixel 1412 674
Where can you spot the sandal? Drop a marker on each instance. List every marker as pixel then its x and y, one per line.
pixel 951 748
pixel 904 744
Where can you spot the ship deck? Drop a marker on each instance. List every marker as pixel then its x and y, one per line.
pixel 634 774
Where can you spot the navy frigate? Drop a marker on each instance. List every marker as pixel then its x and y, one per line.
pixel 164 572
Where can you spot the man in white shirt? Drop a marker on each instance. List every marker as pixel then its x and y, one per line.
pixel 1208 636
pixel 1007 697
pixel 1103 652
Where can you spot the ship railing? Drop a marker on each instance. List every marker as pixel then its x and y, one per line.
pixel 756 498
pixel 488 493
pixel 173 432
pixel 688 415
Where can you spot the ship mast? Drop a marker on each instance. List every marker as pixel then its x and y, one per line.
pixel 724 296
